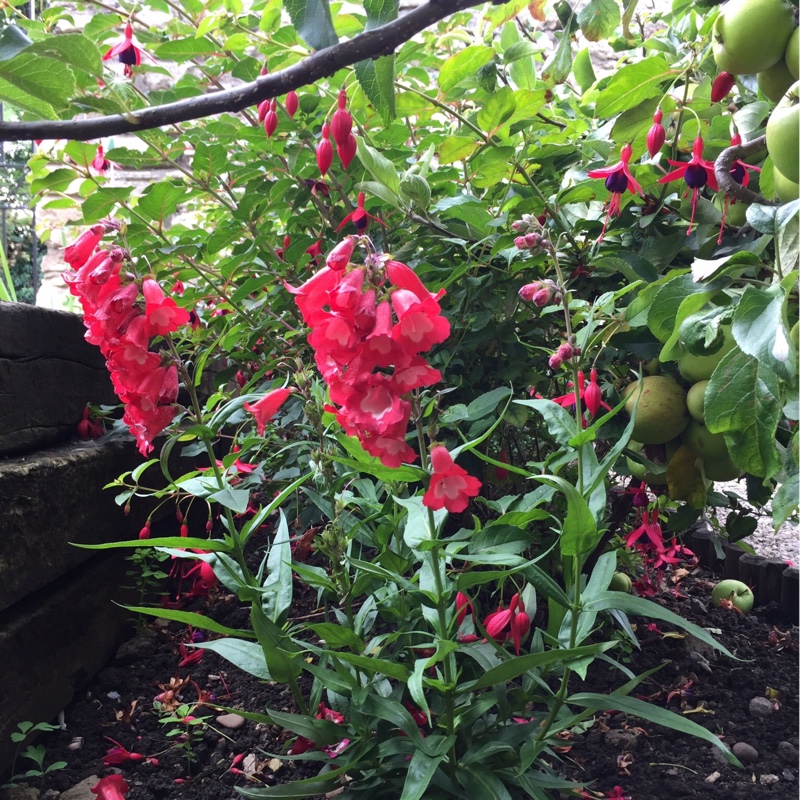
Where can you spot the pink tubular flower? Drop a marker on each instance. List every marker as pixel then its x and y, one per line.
pixel 112 787
pixel 451 487
pixel 514 618
pixel 593 395
pixel 697 173
pixel 120 755
pixel 722 86
pixel 339 257
pixel 100 163
pixel 267 407
pixel 618 180
pixel 126 51
pixel 77 254
pixel 325 151
pixel 162 314
pixel 463 604
pixel 656 136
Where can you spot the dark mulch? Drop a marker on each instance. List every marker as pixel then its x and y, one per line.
pixel 646 760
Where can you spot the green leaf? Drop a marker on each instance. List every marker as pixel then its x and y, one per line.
pixel 234 499
pixel 380 666
pixel 660 716
pixel 12 41
pixel 599 19
pixel 499 106
pixel 164 541
pixel 515 667
pixel 376 76
pixel 160 200
pixel 310 787
pixel 583 70
pixel 743 401
pixel 561 424
pixel 191 618
pixel 579 532
pixel 247 656
pixel 312 20
pixel 420 771
pixel 180 50
pixel 456 148
pixel 278 586
pixel 464 65
pixel 758 327
pixel 280 653
pixel 667 303
pixel 482 783
pixel 378 166
pixel 102 202
pixel 605 601
pixel 706 269
pixel 632 84
pixel 38 78
pixel 338 636
pixel 321 731
pixel 557 68
pixel 70 49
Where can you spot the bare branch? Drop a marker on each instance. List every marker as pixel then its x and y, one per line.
pixel 371 44
pixel 724 164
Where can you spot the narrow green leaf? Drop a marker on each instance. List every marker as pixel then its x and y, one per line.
pixel 579 531
pixel 660 716
pixel 420 771
pixel 247 656
pixel 191 618
pixel 164 541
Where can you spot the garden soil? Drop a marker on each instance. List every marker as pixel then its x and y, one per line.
pixel 750 703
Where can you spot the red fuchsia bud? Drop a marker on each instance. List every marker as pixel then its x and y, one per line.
pixel 736 140
pixel 347 151
pixel 144 533
pixel 520 627
pixel 656 136
pixel 184 530
pixel 325 150
pixel 179 516
pixel 502 473
pixel 263 107
pixel 209 526
pixel 565 351
pixel 722 86
pixel 463 603
pixel 264 70
pixel 339 257
pixel 241 379
pixel 292 103
pixel 341 121
pixel 271 119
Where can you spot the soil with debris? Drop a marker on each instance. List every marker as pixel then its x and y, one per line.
pixel 750 703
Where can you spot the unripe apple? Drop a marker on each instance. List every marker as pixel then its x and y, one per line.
pixel 785 190
pixel 783 134
pixel 703 443
pixel 751 35
pixel 620 583
pixel 696 401
pixel 661 413
pixel 792 54
pixel 736 592
pixel 775 81
pixel 721 469
pixel 700 368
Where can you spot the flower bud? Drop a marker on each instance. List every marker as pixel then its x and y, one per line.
pixel 341 121
pixel 555 361
pixel 144 533
pixel 339 257
pixel 271 119
pixel 541 298
pixel 292 103
pixel 263 107
pixel 529 290
pixel 722 86
pixel 656 136
pixel 325 150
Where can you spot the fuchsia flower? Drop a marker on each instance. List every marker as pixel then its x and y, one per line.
pixel 325 151
pixel 673 555
pixel 292 103
pixel 267 407
pixel 591 395
pixel 650 528
pixel 120 755
pixel 112 787
pixel 303 745
pixel 513 620
pixel 126 52
pixel 618 180
pixel 451 486
pixel 100 163
pixel 656 136
pixel 463 604
pixel 271 118
pixel 740 172
pixel 359 216
pixel 697 173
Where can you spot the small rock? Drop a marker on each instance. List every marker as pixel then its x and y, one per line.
pixel 76 743
pixel 249 764
pixel 136 649
pixel 621 740
pixel 761 708
pixel 672 772
pixel 50 794
pixel 788 752
pixel 82 790
pixel 713 777
pixel 231 721
pixel 788 776
pixel 275 764
pixel 19 792
pixel 745 753
pixel 768 779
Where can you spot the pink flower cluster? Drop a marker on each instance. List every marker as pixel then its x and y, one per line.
pixel 369 326
pixel 303 745
pixel 121 323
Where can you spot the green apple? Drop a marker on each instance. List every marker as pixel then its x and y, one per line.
pixel 736 592
pixel 703 443
pixel 775 81
pixel 661 412
pixel 737 212
pixel 792 54
pixel 721 469
pixel 785 190
pixel 620 582
pixel 700 368
pixel 696 401
pixel 783 134
pixel 751 35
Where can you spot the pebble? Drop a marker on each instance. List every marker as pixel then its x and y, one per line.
pixel 714 776
pixel 621 740
pixel 231 721
pixel 788 752
pixel 788 776
pixel 745 753
pixel 82 790
pixel 19 792
pixel 761 708
pixel 768 779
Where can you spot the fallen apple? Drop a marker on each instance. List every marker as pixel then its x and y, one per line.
pixel 735 592
pixel 620 582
